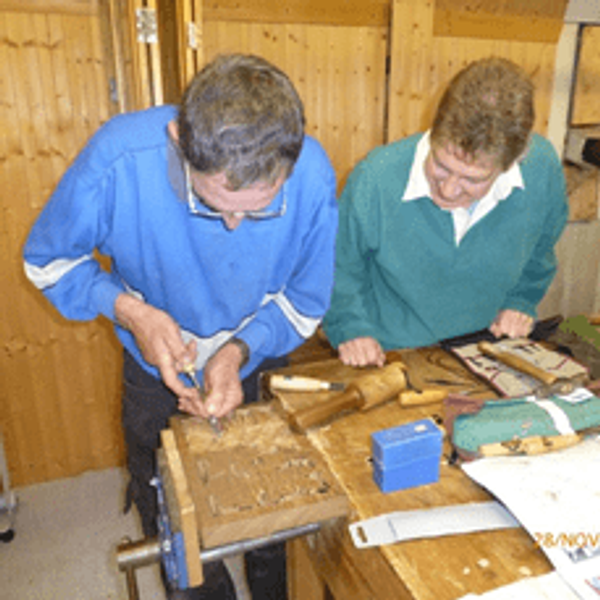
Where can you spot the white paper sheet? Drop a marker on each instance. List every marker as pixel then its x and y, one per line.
pixel 556 496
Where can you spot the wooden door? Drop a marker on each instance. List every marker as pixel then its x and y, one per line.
pixel 59 381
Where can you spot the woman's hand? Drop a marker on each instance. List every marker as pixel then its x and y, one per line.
pixel 361 352
pixel 512 323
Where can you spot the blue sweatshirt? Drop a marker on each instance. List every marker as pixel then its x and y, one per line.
pixel 267 282
pixel 400 277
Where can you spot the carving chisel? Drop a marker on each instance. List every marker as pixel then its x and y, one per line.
pixel 551 384
pixel 212 420
pixel 297 383
pixel 533 445
pixel 374 388
pixel 413 396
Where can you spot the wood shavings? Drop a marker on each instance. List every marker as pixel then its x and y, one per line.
pixel 239 475
pixel 252 429
pixel 235 471
pixel 212 503
pixel 257 476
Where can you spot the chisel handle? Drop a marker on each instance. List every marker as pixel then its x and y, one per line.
pixel 296 383
pixel 517 363
pixel 381 384
pixel 414 398
pixel 532 445
pixel 369 390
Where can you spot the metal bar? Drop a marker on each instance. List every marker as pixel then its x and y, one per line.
pixel 221 552
pixel 131 555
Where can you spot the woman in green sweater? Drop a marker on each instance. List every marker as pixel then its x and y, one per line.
pixel 448 232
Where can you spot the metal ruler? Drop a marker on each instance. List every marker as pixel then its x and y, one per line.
pixel 431 522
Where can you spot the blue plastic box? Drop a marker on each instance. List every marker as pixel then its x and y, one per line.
pixel 407 456
pixel 409 475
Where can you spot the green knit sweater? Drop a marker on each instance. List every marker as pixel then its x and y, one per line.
pixel 401 279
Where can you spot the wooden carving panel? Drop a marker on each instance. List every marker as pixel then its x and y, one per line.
pixel 256 478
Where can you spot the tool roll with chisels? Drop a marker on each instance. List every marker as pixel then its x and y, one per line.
pixel 519 425
pixel 546 409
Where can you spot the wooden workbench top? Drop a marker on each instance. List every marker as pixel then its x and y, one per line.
pixel 438 569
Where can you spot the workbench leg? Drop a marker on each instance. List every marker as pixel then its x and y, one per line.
pixel 304 582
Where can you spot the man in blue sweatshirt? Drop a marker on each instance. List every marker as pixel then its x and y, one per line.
pixel 453 231
pixel 219 218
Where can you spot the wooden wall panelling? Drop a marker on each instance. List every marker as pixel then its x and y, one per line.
pixel 80 407
pixel 60 381
pixel 586 95
pixel 585 111
pixel 194 39
pixel 171 45
pixel 411 60
pixel 338 71
pixel 154 64
pixel 523 20
pixel 70 7
pixel 185 50
pixel 118 36
pixel 360 13
pixel 30 138
pixel 180 42
pixel 24 173
pixel 147 69
pixel 346 39
pixel 422 64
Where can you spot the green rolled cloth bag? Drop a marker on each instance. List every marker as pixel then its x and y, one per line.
pixel 472 424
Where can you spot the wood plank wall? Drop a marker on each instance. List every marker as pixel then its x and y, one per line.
pixel 586 104
pixel 338 69
pixel 426 55
pixel 334 51
pixel 60 381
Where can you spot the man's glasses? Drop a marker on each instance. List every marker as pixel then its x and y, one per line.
pixel 197 206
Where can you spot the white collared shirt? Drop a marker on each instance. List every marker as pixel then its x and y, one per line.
pixel 463 218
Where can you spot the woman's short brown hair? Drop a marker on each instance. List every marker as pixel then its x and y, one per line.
pixel 487 109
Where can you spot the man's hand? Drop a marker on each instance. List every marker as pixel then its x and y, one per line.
pixel 512 323
pixel 222 381
pixel 361 352
pixel 159 339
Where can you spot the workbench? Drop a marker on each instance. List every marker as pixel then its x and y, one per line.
pixel 326 564
pixel 263 481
